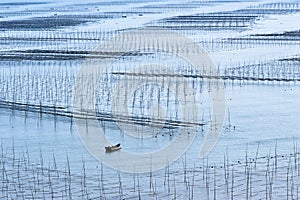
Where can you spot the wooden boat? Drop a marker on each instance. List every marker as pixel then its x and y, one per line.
pixel 113 148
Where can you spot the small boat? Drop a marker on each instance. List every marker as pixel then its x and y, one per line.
pixel 113 148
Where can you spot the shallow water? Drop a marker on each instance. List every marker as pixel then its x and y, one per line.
pixel 248 42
